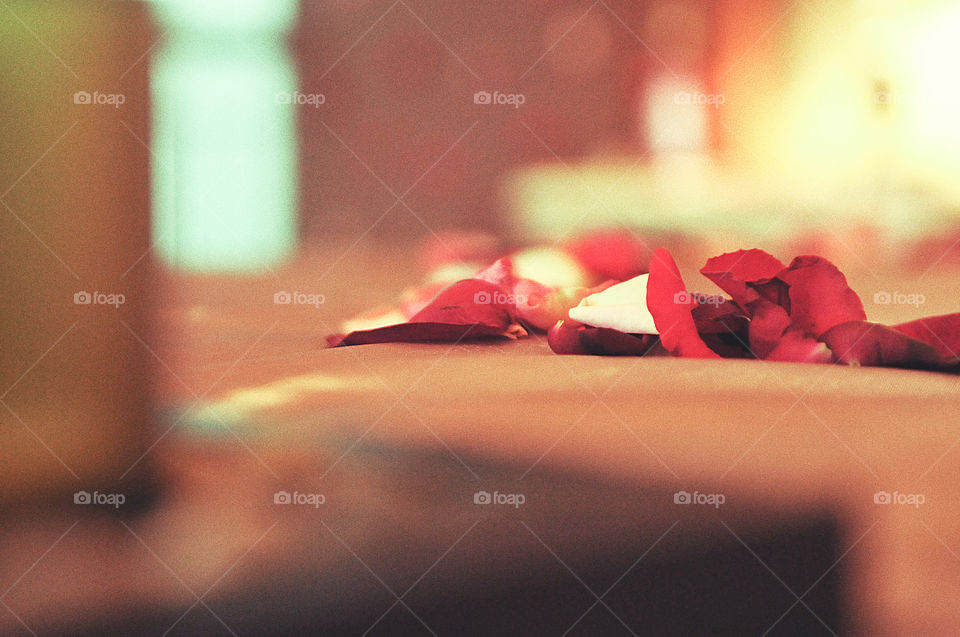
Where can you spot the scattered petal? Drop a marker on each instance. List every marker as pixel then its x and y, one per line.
pixel 819 295
pixel 466 309
pixel 864 343
pixel 570 337
pixel 797 347
pixel 942 332
pixel 422 333
pixel 670 306
pixel 740 273
pixel 768 323
pixel 621 307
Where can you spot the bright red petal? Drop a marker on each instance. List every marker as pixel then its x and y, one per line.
pixel 668 302
pixel 738 273
pixel 819 295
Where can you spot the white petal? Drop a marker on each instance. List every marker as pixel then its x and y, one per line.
pixel 620 307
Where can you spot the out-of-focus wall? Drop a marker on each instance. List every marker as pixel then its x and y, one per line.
pixel 399 79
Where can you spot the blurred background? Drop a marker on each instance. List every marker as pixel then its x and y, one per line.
pixel 168 167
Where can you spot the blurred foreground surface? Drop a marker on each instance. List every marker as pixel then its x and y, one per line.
pixel 397 439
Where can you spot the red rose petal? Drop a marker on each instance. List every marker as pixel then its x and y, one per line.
pixel 564 338
pixel 570 337
pixel 724 328
pixel 467 309
pixel 863 343
pixel 942 332
pixel 673 319
pixel 421 333
pixel 768 323
pixel 719 318
pixel 468 302
pixel 739 273
pixel 819 295
pixel 603 341
pixel 797 347
pixel 611 254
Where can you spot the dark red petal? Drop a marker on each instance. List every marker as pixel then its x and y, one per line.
pixel 768 323
pixel 603 341
pixel 570 337
pixel 797 347
pixel 723 327
pixel 668 302
pixel 718 318
pixel 863 343
pixel 942 332
pixel 611 254
pixel 736 272
pixel 564 338
pixel 420 333
pixel 819 295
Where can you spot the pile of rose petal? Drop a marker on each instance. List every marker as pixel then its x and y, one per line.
pixel 605 294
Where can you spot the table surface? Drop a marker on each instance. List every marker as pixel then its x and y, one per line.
pixel 247 384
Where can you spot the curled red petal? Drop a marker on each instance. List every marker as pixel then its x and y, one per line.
pixel 819 295
pixel 864 343
pixel 740 273
pixel 469 302
pixel 611 254
pixel 798 347
pixel 941 332
pixel 768 322
pixel 669 304
pixel 422 333
pixel 564 338
pixel 467 309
